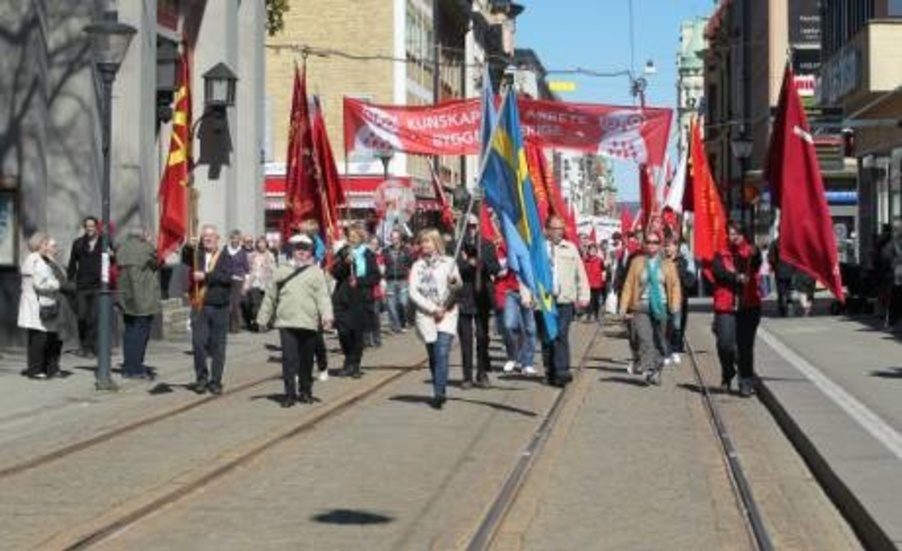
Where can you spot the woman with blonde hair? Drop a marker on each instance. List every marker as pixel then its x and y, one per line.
pixel 434 284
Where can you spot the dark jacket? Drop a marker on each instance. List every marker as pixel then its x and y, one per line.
pixel 84 264
pixel 139 278
pixel 472 300
pixel 397 263
pixel 782 270
pixel 353 293
pixel 217 283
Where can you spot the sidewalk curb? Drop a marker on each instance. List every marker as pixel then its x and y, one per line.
pixel 859 518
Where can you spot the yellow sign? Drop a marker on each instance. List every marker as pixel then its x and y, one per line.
pixel 562 86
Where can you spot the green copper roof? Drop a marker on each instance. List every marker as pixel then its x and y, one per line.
pixel 695 43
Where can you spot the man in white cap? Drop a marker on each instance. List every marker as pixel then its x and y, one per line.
pixel 478 265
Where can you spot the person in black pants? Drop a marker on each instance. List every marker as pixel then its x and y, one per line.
pixel 212 273
pixel 355 272
pixel 84 269
pixel 477 264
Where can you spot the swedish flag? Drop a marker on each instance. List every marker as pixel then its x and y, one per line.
pixel 509 191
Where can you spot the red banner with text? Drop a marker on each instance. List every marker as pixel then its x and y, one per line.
pixel 453 128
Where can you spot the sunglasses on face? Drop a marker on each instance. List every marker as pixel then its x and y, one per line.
pixel 652 242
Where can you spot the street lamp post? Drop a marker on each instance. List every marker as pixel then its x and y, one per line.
pixel 110 41
pixel 742 150
pixel 384 154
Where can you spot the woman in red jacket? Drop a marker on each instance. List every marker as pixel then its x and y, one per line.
pixel 737 309
pixel 594 264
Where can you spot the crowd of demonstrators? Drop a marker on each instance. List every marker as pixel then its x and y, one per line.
pixel 434 285
pixel 139 299
pixel 651 298
pixel 43 309
pixel 478 266
pixel 737 309
pixel 297 303
pixel 85 261
pixel 571 291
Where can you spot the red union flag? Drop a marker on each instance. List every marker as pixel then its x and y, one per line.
pixel 710 218
pixel 173 192
pixel 453 128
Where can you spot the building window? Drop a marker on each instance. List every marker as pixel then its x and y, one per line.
pixel 894 9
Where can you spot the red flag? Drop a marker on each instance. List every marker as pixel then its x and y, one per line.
pixel 328 187
pixel 710 220
pixel 490 233
pixel 535 160
pixel 647 194
pixel 443 203
pixel 806 234
pixel 301 200
pixel 173 193
pixel 626 222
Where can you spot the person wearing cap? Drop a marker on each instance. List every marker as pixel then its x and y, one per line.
pixel 478 265
pixel 297 304
pixel 356 273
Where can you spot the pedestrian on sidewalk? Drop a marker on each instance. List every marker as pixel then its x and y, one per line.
pixel 477 265
pixel 571 292
pixel 435 284
pixel 212 285
pixel 594 265
pixel 84 269
pixel 355 274
pixel 310 228
pixel 43 311
pixel 651 297
pixel 139 299
pixel 505 282
pixel 891 255
pixel 297 303
pixel 262 268
pixel 677 253
pixel 737 309
pixel 240 269
pixel 373 335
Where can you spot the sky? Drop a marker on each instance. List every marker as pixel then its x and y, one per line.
pixel 595 35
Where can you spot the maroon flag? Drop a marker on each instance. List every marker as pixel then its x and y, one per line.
pixel 328 183
pixel 647 195
pixel 806 240
pixel 301 200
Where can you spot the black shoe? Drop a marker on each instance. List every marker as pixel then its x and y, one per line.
pixel 305 398
pixel 466 385
pixel 288 401
pixel 356 372
pixel 482 382
pixel 199 387
pixel 215 389
pixel 438 402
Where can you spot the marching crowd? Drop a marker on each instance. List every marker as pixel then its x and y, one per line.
pixel 304 290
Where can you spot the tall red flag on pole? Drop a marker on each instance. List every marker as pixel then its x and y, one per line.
pixel 301 200
pixel 626 222
pixel 710 219
pixel 806 238
pixel 647 195
pixel 329 191
pixel 173 193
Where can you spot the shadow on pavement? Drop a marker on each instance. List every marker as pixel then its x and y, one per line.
pixel 692 387
pixel 624 381
pixel 888 373
pixel 351 516
pixel 423 399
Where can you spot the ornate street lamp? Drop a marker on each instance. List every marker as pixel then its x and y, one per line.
pixel 110 40
pixel 219 87
pixel 384 153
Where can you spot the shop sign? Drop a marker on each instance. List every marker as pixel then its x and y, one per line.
pixel 841 75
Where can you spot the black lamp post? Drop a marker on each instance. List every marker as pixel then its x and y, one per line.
pixel 110 40
pixel 384 153
pixel 742 150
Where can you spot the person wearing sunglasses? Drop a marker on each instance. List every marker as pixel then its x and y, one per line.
pixel 651 296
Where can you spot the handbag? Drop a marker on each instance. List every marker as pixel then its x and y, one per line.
pixel 49 312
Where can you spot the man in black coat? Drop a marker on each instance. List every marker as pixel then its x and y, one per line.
pixel 212 272
pixel 84 269
pixel 478 265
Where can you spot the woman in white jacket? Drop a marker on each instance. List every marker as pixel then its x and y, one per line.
pixel 434 282
pixel 40 287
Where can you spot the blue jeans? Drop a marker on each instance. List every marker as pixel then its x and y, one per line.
pixel 510 346
pixel 439 353
pixel 521 325
pixel 134 343
pixel 396 298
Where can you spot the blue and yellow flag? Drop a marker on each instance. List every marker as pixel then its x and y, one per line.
pixel 509 191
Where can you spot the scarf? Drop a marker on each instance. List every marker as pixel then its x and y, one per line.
pixel 359 255
pixel 656 304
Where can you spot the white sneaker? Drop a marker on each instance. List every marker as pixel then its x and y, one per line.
pixel 631 368
pixel 509 366
pixel 323 376
pixel 667 361
pixel 529 370
pixel 676 358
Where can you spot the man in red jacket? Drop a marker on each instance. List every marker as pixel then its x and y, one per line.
pixel 737 309
pixel 594 264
